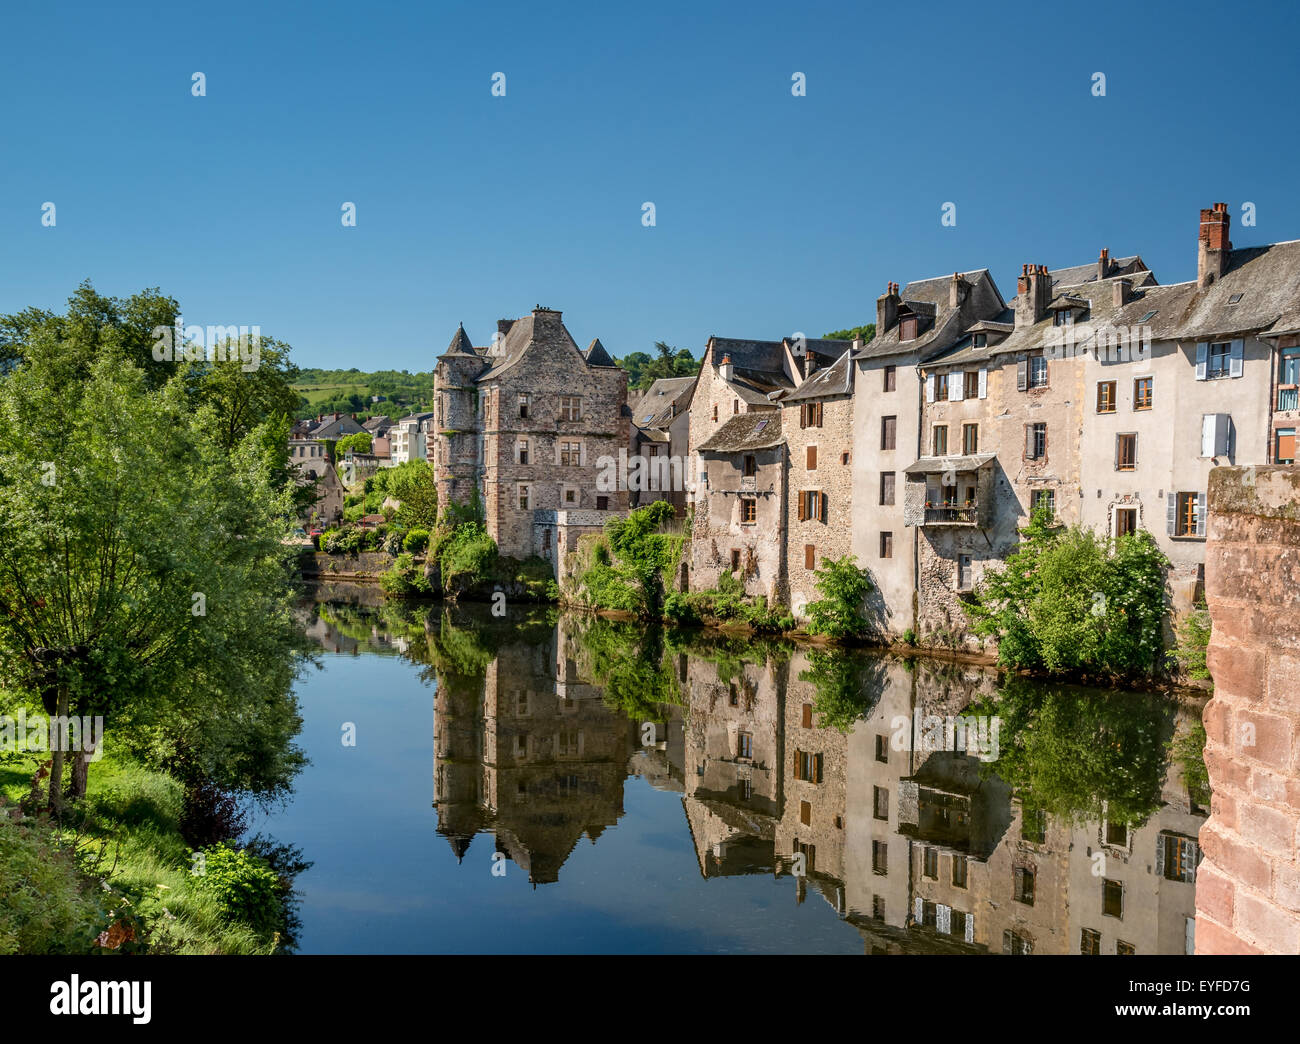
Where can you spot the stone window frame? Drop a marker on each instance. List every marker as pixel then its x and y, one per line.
pixel 566 488
pixel 1112 516
pixel 524 495
pixel 523 448
pixel 570 408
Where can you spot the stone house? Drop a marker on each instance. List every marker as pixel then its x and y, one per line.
pixel 532 423
pixel 661 427
pixel 817 422
pixel 335 426
pixel 740 506
pixel 310 463
pixel 922 320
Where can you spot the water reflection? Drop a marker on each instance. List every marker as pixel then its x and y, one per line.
pixel 866 780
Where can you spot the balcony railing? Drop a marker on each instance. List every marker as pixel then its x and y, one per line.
pixel 949 513
pixel 1288 398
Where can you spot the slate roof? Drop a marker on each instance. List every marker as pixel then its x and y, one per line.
pixel 836 379
pixel 1076 275
pixel 654 410
pixel 596 354
pixel 746 431
pixel 513 346
pixel 985 302
pixel 460 343
pixel 1268 279
pixel 935 465
pixel 758 356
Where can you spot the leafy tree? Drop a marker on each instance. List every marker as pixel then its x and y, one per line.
pixel 844 588
pixel 643 370
pixel 244 399
pixel 866 332
pixel 847 686
pixel 358 442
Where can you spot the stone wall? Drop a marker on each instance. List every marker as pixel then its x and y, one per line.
pixel 1248 885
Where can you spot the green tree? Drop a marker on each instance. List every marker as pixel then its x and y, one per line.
pixel 867 331
pixel 844 587
pixel 358 442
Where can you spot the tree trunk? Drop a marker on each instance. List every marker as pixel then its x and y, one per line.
pixel 56 751
pixel 81 768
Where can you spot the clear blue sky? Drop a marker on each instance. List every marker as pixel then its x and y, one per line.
pixel 774 213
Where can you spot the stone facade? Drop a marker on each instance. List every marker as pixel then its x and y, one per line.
pixel 1248 895
pixel 532 423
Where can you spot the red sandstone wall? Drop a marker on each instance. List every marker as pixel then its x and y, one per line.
pixel 1248 884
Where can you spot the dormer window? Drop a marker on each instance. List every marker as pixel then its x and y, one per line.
pixel 1063 317
pixel 907 328
pixel 980 340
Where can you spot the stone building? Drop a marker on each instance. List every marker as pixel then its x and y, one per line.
pixel 661 426
pixel 531 423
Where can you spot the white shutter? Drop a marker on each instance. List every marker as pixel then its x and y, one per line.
pixel 956 386
pixel 1202 350
pixel 929 387
pixel 984 391
pixel 1160 855
pixel 582 453
pixel 1171 516
pixel 1237 359
pixel 943 919
pixel 1207 434
pixel 1200 514
pixel 917 909
pixel 970 927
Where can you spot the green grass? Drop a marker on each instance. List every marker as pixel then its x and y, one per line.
pixel 131 815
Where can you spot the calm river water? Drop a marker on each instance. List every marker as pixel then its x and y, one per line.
pixel 556 783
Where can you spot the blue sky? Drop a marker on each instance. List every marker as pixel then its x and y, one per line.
pixel 774 213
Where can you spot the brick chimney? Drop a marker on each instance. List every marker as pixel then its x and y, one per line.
pixel 1213 245
pixel 1034 293
pixel 725 369
pixel 887 310
pixel 958 291
pixel 1121 292
pixel 1104 263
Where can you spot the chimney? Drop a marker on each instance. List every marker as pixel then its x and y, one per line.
pixel 547 321
pixel 958 291
pixel 809 364
pixel 1213 245
pixel 1034 293
pixel 887 310
pixel 1122 292
pixel 725 369
pixel 1103 263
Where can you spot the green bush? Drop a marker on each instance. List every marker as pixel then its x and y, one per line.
pixel 245 886
pixel 466 557
pixel 403 579
pixel 346 541
pixel 1193 642
pixel 416 540
pixel 47 905
pixel 844 587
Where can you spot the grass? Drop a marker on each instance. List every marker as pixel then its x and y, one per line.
pixel 130 815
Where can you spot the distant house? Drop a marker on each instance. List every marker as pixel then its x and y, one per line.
pixel 378 426
pixel 308 459
pixel 661 427
pixel 409 438
pixel 335 426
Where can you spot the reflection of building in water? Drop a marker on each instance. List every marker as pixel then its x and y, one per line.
pixel 733 764
pixel 547 758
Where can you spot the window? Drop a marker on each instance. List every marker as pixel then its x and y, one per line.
pixel 1038 372
pixel 1063 317
pixel 1285 450
pixel 1044 499
pixel 715 411
pixel 1216 435
pixel 523 497
pixel 809 556
pixel 1033 826
pixel 810 415
pixel 880 802
pixel 570 497
pixel 748 510
pixel 735 560
pixel 602 503
pixel 844 458
pixel 930 863
pixel 1187 518
pixel 878 907
pixel 523 452
pixel 744 744
pixel 1126 521
pixel 570 454
pixel 971 385
pixel 970 439
pixel 1219 361
pixel 807 766
pixel 813 504
pixel 733 695
pixel 1117 834
pixel 1090 942
pixel 750 466
pixel 963 573
pixel 746 789
pixel 880 857
pixel 1124 949
pixel 891 378
pixel 570 407
pixel 958 924
pixel 1024 885
pixel 1035 441
pixel 940 387
pixel 886 545
pixel 888 433
pixel 1142 387
pixel 1112 898
pixel 882 748
pixel 810 458
pixel 1149 316
pixel 1176 857
pixel 980 340
pixel 805 813
pixel 929 914
pixel 523 404
pixel 1105 396
pixel 1015 943
pixel 940 440
pixel 907 329
pixel 735 406
pixel 886 487
pixel 1126 452
pixel 960 871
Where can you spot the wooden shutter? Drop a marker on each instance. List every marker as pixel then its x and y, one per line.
pixel 819 414
pixel 1286 446
pixel 806 721
pixel 1171 518
pixel 1236 360
pixel 796 765
pixel 803 415
pixel 809 556
pixel 1200 514
pixel 1022 374
pixel 929 387
pixel 984 393
pixel 812 458
pixel 1202 352
pixel 803 515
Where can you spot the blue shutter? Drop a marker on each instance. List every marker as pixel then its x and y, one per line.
pixel 1236 360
